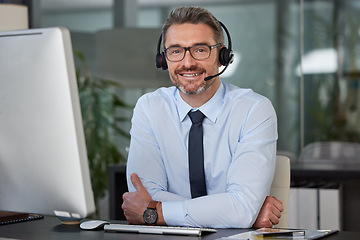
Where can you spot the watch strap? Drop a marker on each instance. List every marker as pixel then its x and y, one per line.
pixel 153 204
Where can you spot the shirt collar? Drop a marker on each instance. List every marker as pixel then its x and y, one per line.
pixel 210 109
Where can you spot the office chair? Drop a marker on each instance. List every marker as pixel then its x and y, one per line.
pixel 292 156
pixel 280 187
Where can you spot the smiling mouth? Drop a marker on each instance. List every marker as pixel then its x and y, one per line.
pixel 190 75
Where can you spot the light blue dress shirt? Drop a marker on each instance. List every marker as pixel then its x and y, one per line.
pixel 240 133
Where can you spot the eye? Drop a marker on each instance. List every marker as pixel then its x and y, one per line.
pixel 201 49
pixel 175 51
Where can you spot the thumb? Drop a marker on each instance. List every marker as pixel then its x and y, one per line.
pixel 136 182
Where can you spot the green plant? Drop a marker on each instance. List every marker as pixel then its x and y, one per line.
pixel 99 104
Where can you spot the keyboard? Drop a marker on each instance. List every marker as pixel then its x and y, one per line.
pixel 187 231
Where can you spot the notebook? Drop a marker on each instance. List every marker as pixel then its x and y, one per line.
pixel 279 232
pixel 282 233
pixel 186 231
pixel 7 217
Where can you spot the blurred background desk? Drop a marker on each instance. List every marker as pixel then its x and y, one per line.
pixel 325 171
pixel 51 228
pixel 343 177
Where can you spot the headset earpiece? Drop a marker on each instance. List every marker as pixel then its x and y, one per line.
pixel 225 56
pixel 158 60
pixel 164 63
pixel 160 57
pixel 161 61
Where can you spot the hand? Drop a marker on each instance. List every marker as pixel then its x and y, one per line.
pixel 135 203
pixel 270 213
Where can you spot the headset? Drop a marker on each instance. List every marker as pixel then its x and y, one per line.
pixel 226 55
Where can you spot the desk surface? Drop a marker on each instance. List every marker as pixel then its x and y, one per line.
pixel 51 228
pixel 330 171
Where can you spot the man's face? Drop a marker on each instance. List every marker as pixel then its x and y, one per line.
pixel 188 74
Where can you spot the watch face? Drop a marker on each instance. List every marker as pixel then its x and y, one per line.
pixel 150 216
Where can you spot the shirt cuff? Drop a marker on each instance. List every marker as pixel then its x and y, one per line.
pixel 174 213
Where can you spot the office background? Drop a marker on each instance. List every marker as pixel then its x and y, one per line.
pixel 267 40
pixel 303 55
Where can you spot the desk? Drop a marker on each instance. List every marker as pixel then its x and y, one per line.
pixel 329 171
pixel 346 176
pixel 51 228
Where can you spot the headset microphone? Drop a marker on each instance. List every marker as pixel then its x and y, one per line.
pixel 218 74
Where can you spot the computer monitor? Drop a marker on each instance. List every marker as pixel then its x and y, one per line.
pixel 43 158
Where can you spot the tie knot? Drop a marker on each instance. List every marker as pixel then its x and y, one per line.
pixel 196 117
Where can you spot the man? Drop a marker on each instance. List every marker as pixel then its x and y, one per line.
pixel 238 135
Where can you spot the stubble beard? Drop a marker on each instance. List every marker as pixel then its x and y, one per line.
pixel 200 89
pixel 204 85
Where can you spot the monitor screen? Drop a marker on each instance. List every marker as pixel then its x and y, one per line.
pixel 43 158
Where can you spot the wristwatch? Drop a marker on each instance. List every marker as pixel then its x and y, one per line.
pixel 150 215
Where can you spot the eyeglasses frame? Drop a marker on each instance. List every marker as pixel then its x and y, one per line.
pixel 188 49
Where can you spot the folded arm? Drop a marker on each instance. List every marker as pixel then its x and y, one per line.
pixel 135 203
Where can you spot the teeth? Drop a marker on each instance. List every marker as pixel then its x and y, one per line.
pixel 191 75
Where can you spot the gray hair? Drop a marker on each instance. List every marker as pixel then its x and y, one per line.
pixel 193 15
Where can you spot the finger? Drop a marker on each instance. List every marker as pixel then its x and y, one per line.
pixel 136 182
pixel 278 204
pixel 124 195
pixel 271 200
pixel 269 224
pixel 273 209
pixel 274 220
pixel 266 223
pixel 125 198
pixel 276 212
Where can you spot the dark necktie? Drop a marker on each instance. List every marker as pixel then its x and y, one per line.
pixel 196 155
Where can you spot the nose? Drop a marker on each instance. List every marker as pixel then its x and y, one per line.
pixel 188 59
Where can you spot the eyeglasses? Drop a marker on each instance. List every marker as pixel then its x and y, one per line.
pixel 198 52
